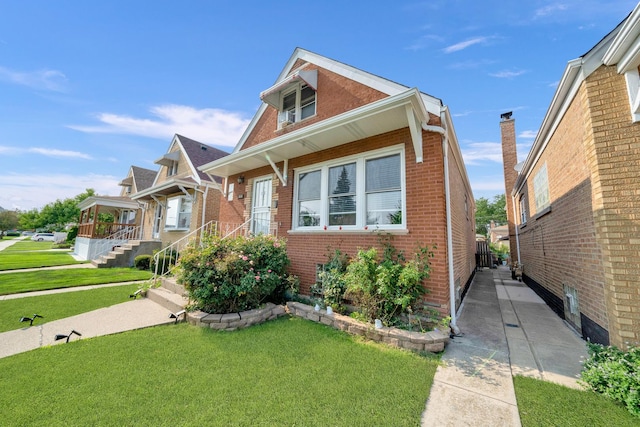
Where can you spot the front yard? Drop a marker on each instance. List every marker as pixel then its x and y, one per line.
pixel 285 372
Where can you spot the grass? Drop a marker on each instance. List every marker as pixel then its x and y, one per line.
pixel 19 260
pixel 546 404
pixel 284 372
pixel 28 245
pixel 58 306
pixel 28 281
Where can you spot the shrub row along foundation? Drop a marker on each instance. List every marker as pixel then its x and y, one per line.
pixel 233 321
pixel 432 341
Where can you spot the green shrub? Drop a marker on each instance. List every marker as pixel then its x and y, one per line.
pixel 142 262
pixel 165 262
pixel 12 234
pixel 387 288
pixel 332 285
pixel 72 234
pixel 231 275
pixel 65 245
pixel 615 374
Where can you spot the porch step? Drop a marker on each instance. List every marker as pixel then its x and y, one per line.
pixel 124 254
pixel 168 299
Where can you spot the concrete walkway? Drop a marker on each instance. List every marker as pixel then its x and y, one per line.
pixel 135 314
pixel 507 330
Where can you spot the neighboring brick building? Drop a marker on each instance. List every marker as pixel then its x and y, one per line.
pixel 335 155
pixel 577 195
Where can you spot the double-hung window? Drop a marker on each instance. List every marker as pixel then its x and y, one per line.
pixel 298 104
pixel 541 189
pixel 352 193
pixel 172 168
pixel 178 213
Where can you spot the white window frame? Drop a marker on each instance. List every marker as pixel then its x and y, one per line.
pixel 542 198
pixel 297 110
pixel 361 199
pixel 171 204
pixel 523 210
pixel 172 169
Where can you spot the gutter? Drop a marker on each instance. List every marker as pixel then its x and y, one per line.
pixel 447 193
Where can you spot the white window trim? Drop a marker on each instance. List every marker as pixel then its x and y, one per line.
pixel 632 78
pixel 523 210
pixel 180 198
pixel 297 88
pixel 361 203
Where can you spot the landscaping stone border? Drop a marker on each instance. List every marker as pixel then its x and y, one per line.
pixel 233 321
pixel 432 341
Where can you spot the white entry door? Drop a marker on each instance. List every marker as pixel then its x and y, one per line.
pixel 261 209
pixel 157 221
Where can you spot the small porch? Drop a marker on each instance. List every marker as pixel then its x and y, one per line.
pixel 105 223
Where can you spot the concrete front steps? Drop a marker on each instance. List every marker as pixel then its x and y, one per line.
pixel 169 295
pixel 124 254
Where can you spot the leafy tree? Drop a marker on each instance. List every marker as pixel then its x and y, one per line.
pixel 8 221
pixel 55 215
pixel 487 211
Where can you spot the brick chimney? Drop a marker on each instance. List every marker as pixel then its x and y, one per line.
pixel 509 161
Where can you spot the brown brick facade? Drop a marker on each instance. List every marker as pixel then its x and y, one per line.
pixel 588 240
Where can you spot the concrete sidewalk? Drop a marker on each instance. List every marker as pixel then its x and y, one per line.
pixel 118 318
pixel 507 330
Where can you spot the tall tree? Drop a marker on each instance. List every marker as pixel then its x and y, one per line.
pixel 8 221
pixel 487 211
pixel 55 215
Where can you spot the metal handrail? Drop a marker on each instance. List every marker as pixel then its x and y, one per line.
pixel 126 234
pixel 163 262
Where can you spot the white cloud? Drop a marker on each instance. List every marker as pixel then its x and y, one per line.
pixel 484 185
pixel 53 80
pixel 465 44
pixel 28 191
pixel 477 152
pixel 550 10
pixel 528 134
pixel 52 152
pixel 507 74
pixel 210 125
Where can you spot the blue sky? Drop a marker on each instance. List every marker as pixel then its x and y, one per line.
pixel 89 88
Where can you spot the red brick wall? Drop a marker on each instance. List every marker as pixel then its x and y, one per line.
pixel 335 95
pixel 425 216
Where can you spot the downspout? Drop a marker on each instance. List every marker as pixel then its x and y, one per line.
pixel 447 194
pixel 515 226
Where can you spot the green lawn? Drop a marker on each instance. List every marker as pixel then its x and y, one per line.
pixel 58 306
pixel 18 260
pixel 27 281
pixel 28 245
pixel 282 373
pixel 546 404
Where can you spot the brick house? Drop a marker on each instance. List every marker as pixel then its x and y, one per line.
pixel 154 208
pixel 335 155
pixel 574 210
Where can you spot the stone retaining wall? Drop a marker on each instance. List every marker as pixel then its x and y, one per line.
pixel 432 341
pixel 233 321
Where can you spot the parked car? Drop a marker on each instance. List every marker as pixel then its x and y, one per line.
pixel 43 237
pixel 28 233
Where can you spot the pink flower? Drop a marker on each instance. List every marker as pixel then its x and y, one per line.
pixel 269 271
pixel 257 278
pixel 276 244
pixel 244 258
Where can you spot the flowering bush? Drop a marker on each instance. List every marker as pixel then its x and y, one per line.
pixel 231 275
pixel 615 374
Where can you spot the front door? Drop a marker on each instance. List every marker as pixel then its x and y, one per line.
pixel 261 209
pixel 157 221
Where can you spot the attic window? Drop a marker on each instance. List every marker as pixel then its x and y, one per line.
pixel 633 91
pixel 298 104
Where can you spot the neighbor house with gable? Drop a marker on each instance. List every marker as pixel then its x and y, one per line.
pixel 154 209
pixel 336 158
pixel 574 203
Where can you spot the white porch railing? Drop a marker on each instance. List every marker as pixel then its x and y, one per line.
pixel 165 259
pixel 106 245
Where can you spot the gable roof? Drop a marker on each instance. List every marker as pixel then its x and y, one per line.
pixel 143 178
pixel 195 154
pixel 619 45
pixel 432 105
